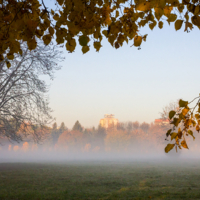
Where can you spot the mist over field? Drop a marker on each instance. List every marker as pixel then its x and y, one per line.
pixel 130 141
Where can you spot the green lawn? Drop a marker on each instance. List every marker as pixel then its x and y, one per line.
pixel 101 180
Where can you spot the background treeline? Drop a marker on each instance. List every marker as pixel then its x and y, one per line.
pixel 130 138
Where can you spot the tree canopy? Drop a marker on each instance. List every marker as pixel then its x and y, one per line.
pixel 87 21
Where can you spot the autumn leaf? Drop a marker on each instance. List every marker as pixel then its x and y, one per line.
pixel 160 24
pixel 90 20
pixel 173 135
pixel 51 30
pixel 185 111
pixel 144 6
pixel 83 40
pixel 85 49
pixel 47 39
pixel 97 46
pixel 171 114
pixel 169 147
pixel 176 121
pixel 137 41
pixel 178 24
pixel 182 103
pixel 168 132
pixel 152 25
pixel 71 45
pixel 8 64
pixel 196 10
pixel 171 18
pixel 158 13
pixel 191 133
pixel 184 144
pixel 10 56
pixel 32 44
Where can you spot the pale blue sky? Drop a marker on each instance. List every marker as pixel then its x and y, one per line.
pixel 132 84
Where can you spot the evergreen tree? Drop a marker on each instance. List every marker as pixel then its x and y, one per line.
pixel 54 127
pixel 54 134
pixel 62 128
pixel 77 127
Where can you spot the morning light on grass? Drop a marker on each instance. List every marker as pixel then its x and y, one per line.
pixel 99 99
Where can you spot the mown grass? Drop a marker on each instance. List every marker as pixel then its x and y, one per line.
pixel 102 180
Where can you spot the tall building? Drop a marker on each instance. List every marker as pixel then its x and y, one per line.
pixel 108 121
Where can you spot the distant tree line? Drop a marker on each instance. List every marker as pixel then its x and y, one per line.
pixel 129 137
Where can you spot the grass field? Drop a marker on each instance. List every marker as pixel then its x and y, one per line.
pixel 101 180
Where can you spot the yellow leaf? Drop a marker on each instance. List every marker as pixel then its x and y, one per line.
pixel 188 25
pixel 144 37
pixel 8 64
pixel 71 45
pixel 46 39
pixel 180 8
pixel 158 13
pixel 32 25
pixel 197 128
pixel 56 17
pixel 144 6
pixel 137 41
pixel 168 132
pixel 171 18
pixel 60 2
pixel 105 32
pixel 85 49
pixel 169 147
pixel 162 3
pixel 117 14
pixel 178 24
pixel 160 24
pixel 173 135
pixel 185 111
pixel 32 44
pixel 196 10
pixel 184 144
pixel 167 10
pixel 196 20
pixel 51 30
pixel 97 45
pixel 10 56
pixel 182 103
pixel 191 133
pixel 152 25
pixel 83 40
pixel 171 114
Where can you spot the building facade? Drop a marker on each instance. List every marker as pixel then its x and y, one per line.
pixel 161 121
pixel 108 121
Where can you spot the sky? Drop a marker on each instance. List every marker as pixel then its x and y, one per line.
pixel 132 84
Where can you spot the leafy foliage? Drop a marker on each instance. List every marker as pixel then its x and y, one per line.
pixel 119 21
pixel 185 121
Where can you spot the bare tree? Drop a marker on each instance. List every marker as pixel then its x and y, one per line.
pixel 172 106
pixel 23 94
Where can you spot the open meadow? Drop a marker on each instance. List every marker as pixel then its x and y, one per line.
pixel 131 179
